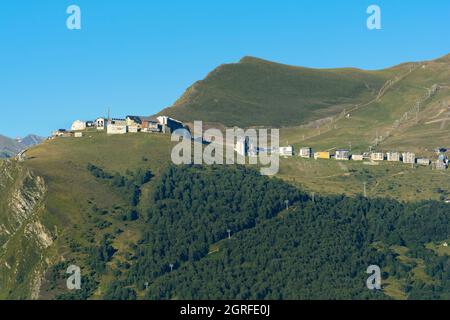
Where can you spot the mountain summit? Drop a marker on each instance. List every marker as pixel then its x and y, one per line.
pixel 256 92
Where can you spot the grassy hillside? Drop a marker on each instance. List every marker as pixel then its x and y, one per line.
pixel 255 92
pixel 406 107
pixel 84 216
pixel 90 202
pixel 411 114
pixel 391 180
pixel 403 108
pixel 83 209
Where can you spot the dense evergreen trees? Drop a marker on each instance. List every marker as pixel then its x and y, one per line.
pixel 314 250
pixel 195 207
pixel 129 184
pixel 101 254
pixel 319 250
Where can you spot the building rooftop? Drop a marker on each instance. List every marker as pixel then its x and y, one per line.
pixel 149 119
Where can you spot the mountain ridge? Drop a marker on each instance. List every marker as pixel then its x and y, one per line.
pixel 11 147
pixel 258 92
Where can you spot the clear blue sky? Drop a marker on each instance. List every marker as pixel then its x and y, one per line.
pixel 138 56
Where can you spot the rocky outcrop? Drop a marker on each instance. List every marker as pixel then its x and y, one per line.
pixel 24 238
pixel 25 199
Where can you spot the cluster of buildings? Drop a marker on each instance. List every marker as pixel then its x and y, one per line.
pixel 441 163
pixel 243 147
pixel 164 124
pixel 130 124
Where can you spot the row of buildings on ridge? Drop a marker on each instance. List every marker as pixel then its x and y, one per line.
pixel 393 156
pixel 130 124
pixel 243 147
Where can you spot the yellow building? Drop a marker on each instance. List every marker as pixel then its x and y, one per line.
pixel 322 155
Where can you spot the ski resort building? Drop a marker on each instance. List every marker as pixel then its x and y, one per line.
pixel 133 129
pixel 286 151
pixel 168 124
pixel 78 125
pixel 150 124
pixel 440 165
pixel 442 162
pixel 133 121
pixel 342 155
pixel 409 157
pixel 305 152
pixel 322 155
pixel 60 133
pixel 423 162
pixel 377 156
pixel 357 157
pixel 117 126
pixel 100 123
pixel 393 156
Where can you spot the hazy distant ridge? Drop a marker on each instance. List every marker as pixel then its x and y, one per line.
pixel 11 147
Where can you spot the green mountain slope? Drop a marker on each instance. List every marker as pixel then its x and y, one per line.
pixel 411 113
pixel 89 202
pixel 255 92
pixel 76 210
pixel 115 207
pixel 403 108
pixel 316 249
pixel 328 108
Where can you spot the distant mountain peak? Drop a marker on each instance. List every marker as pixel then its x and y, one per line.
pixel 257 92
pixel 11 147
pixel 247 59
pixel 31 140
pixel 445 58
pixel 260 61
